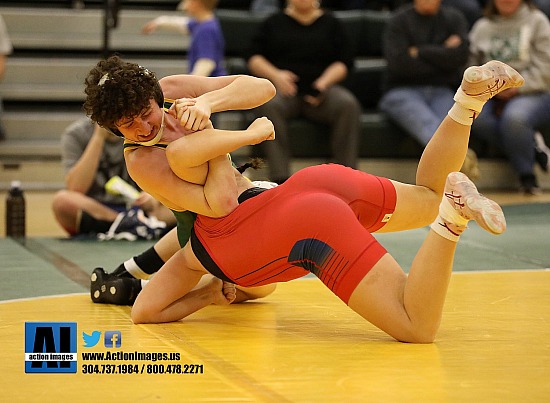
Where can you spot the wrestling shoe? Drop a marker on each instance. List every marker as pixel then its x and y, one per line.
pixel 106 288
pixel 132 225
pixel 464 197
pixel 481 83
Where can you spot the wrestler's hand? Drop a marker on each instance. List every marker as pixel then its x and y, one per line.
pixel 193 113
pixel 261 129
pixel 223 293
pixel 229 291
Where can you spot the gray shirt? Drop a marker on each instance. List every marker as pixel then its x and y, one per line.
pixel 74 140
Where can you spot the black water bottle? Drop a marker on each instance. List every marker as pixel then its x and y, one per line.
pixel 15 211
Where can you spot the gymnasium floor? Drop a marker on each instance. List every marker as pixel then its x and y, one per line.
pixel 301 344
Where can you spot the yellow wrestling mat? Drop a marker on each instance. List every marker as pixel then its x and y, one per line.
pixel 301 344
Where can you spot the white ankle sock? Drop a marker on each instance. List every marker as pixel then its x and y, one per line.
pixel 462 115
pixel 447 230
pixel 449 223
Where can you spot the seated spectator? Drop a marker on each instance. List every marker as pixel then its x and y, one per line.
pixel 426 48
pixel 305 53
pixel 272 6
pixel 91 157
pixel 5 49
pixel 207 48
pixel 473 9
pixel 517 33
pixel 266 6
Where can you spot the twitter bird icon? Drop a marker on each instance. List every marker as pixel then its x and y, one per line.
pixel 91 340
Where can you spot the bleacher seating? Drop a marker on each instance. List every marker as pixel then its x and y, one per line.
pixel 55 30
pixel 56 46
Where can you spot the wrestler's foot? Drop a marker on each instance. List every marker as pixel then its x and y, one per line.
pixel 481 83
pixel 110 289
pixel 465 199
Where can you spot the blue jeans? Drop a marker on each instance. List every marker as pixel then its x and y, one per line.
pixel 418 110
pixel 513 130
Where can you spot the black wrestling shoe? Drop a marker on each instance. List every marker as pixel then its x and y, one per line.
pixel 109 289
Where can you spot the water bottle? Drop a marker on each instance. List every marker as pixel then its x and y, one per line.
pixel 15 211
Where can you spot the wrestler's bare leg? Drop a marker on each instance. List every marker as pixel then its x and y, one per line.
pixel 169 295
pixel 242 294
pixel 251 293
pixel 168 245
pixel 177 290
pixel 445 153
pixel 409 307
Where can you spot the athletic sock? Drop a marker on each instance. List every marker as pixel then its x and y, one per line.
pixel 141 266
pixel 149 261
pixel 462 115
pixel 449 223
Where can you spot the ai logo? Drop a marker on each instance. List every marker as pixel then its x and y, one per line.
pixel 50 347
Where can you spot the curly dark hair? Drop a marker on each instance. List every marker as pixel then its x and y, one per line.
pixel 116 89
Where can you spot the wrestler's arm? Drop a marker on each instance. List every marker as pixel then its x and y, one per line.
pixel 197 148
pixel 214 94
pixel 236 92
pixel 188 153
pixel 149 168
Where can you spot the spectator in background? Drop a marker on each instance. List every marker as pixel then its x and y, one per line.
pixel 207 48
pixel 266 6
pixel 91 157
pixel 473 9
pixel 515 32
pixel 305 53
pixel 6 49
pixel 426 48
pixel 272 6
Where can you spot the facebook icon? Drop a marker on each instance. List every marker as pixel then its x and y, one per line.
pixel 113 339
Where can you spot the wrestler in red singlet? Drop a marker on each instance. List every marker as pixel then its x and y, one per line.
pixel 296 228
